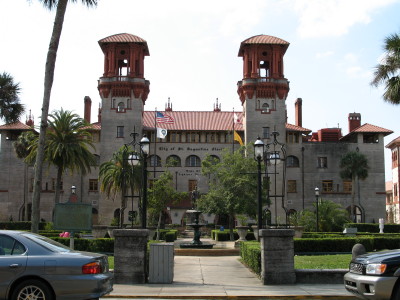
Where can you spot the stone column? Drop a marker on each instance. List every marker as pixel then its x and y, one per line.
pixel 277 256
pixel 130 253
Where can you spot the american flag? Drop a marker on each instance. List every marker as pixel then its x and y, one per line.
pixel 161 118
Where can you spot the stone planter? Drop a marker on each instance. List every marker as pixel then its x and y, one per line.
pixel 99 231
pixel 255 230
pixel 298 231
pixel 242 232
pixel 110 230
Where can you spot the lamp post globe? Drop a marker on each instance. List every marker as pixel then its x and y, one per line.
pixel 316 203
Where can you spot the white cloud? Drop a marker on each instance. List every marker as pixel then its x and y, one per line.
pixel 327 18
pixel 324 54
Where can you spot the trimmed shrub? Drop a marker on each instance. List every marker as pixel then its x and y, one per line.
pixel 20 225
pixel 250 253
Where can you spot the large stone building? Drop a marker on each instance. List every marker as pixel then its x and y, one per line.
pixel 312 158
pixel 393 186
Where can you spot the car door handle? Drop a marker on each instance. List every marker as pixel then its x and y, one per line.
pixel 14 266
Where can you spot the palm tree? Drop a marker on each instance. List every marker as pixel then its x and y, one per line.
pixel 67 145
pixel 354 166
pixel 10 107
pixel 22 148
pixel 48 83
pixel 388 70
pixel 116 175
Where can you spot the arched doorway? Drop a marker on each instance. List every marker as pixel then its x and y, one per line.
pixel 357 212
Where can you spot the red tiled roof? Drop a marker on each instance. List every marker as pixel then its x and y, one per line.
pixel 368 128
pixel 15 126
pixel 372 128
pixel 263 39
pixel 94 126
pixel 291 127
pixel 393 143
pixel 124 38
pixel 196 120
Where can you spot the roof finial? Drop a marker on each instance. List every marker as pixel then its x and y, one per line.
pixel 168 107
pixel 216 106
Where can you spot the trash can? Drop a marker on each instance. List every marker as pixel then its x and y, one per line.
pixel 161 264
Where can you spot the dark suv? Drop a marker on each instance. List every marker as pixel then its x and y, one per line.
pixel 374 276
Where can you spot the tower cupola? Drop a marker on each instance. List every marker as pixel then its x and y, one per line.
pixel 124 66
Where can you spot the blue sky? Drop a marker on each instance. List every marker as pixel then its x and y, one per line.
pixel 334 46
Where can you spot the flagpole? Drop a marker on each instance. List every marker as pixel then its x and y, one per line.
pixel 233 131
pixel 155 143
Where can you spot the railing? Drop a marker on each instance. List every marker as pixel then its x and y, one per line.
pixel 122 79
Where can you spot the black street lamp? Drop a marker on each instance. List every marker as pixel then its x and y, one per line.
pixel 145 149
pixel 134 159
pixel 316 203
pixel 272 154
pixel 259 156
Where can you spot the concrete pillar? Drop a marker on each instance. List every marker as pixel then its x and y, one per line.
pixel 130 253
pixel 277 256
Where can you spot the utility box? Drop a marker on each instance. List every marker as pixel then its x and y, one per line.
pixel 161 269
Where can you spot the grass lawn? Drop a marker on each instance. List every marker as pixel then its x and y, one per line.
pixel 338 261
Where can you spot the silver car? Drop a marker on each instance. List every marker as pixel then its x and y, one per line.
pixel 35 267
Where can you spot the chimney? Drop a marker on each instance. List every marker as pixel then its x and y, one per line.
pixel 88 108
pixel 298 112
pixel 354 121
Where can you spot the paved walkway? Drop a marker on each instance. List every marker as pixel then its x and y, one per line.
pixel 223 277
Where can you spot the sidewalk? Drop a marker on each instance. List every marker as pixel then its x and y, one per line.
pixel 222 277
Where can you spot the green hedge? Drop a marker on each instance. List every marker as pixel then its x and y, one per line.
pixel 374 227
pixel 20 225
pixel 220 236
pixel 90 245
pixel 250 253
pixel 370 243
pixel 172 234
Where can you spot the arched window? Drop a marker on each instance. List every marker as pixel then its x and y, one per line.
pixel 193 161
pixel 292 162
pixel 267 216
pixel 173 161
pixel 155 161
pixel 265 108
pixel 121 107
pixel 215 159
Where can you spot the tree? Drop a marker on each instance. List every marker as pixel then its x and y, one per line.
pixel 68 144
pixel 160 194
pixel 48 83
pixel 10 106
pixel 331 217
pixel 117 176
pixel 388 71
pixel 354 166
pixel 232 185
pixel 22 148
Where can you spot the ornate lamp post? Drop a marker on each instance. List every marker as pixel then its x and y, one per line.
pixel 134 158
pixel 259 156
pixel 145 149
pixel 316 203
pixel 272 154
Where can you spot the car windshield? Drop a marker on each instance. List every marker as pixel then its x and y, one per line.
pixel 46 242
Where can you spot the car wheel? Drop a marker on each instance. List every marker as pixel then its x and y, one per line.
pixel 396 293
pixel 32 289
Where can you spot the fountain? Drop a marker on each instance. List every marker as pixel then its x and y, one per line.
pixel 196 243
